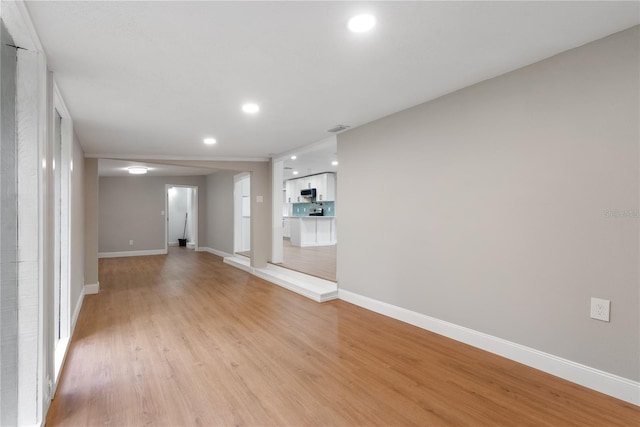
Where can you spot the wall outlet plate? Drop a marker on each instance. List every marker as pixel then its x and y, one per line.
pixel 600 309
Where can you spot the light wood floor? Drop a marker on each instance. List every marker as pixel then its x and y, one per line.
pixel 319 261
pixel 185 340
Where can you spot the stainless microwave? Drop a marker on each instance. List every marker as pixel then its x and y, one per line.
pixel 308 192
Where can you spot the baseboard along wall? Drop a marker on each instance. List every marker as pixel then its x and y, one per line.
pixel 603 382
pixel 214 251
pixel 131 253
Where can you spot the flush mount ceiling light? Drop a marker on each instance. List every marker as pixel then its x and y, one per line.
pixel 334 163
pixel 361 23
pixel 294 157
pixel 137 170
pixel 338 128
pixel 295 172
pixel 250 108
pixel 209 141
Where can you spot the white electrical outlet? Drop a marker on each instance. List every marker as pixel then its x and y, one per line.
pixel 130 242
pixel 600 309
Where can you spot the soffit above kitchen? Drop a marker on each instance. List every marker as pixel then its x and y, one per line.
pixel 114 167
pixel 155 78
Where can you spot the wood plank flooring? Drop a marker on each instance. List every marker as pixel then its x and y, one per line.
pixel 185 340
pixel 318 261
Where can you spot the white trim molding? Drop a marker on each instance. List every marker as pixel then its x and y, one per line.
pixel 91 288
pixel 604 382
pixel 76 311
pixel 131 253
pixel 214 251
pixel 315 288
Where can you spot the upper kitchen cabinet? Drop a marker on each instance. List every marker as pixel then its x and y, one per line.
pixel 324 183
pixel 326 187
pixel 292 191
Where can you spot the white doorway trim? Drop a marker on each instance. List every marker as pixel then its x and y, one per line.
pixel 277 250
pixel 196 207
pixel 32 372
pixel 62 231
pixel 238 246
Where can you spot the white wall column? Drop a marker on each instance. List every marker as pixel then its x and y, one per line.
pixel 277 167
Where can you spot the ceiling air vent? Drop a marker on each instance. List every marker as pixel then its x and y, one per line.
pixel 338 128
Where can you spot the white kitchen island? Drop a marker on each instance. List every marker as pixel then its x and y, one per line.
pixel 313 230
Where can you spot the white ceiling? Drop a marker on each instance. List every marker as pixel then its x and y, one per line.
pixel 155 78
pixel 109 167
pixel 312 159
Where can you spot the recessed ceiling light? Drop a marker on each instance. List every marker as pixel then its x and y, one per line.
pixel 137 170
pixel 209 141
pixel 334 163
pixel 294 157
pixel 295 172
pixel 250 108
pixel 361 23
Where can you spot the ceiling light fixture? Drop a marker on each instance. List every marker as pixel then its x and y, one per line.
pixel 295 172
pixel 361 23
pixel 137 170
pixel 338 128
pixel 209 141
pixel 250 108
pixel 294 157
pixel 334 163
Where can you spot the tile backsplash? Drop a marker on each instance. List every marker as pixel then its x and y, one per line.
pixel 303 209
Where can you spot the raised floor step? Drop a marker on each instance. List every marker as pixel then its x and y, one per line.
pixel 317 289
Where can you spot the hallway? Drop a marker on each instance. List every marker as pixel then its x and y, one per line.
pixel 187 340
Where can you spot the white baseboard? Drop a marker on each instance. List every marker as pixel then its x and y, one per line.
pixel 213 251
pixel 309 245
pixel 131 253
pixel 76 311
pixel 190 245
pixel 86 290
pixel 604 382
pixel 92 288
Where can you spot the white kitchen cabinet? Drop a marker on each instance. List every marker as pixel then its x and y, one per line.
pixel 286 227
pixel 313 231
pixel 325 185
pixel 288 193
pixel 323 232
pixel 293 187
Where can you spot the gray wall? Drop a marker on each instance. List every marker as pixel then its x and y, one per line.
pixel 260 211
pixel 130 208
pixel 90 221
pixel 76 274
pixel 220 211
pixel 492 206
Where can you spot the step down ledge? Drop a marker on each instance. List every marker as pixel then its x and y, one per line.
pixel 314 288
